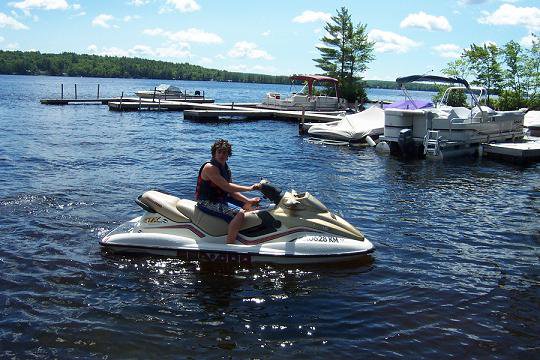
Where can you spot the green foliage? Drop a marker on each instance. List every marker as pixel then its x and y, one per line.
pixel 70 64
pixel 512 72
pixel 455 97
pixel 345 53
pixel 485 66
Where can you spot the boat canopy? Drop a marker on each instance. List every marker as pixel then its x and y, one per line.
pixel 310 79
pixel 441 79
pixel 167 88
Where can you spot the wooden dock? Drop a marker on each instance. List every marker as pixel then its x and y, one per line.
pixel 103 101
pixel 200 109
pixel 525 152
pixel 226 113
pixel 207 110
pixel 140 104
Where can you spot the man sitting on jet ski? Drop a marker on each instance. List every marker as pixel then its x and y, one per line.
pixel 215 190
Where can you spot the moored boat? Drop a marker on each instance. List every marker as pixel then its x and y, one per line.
pixel 168 92
pixel 306 99
pixel 446 130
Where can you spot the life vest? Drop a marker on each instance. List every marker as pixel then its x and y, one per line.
pixel 206 189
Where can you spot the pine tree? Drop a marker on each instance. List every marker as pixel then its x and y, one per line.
pixel 345 53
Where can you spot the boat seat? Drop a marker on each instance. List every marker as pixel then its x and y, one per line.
pixel 211 224
pixel 461 113
pixel 487 111
pixel 299 99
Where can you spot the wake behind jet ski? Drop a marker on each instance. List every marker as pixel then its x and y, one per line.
pixel 298 228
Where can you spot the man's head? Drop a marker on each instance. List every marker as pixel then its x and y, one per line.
pixel 221 146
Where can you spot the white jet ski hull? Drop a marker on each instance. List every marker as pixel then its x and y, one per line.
pixel 301 246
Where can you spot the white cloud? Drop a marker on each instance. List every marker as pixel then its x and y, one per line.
pixel 139 2
pixel 153 32
pixel 252 69
pixel 448 50
pixel 102 20
pixel 8 21
pixel 206 60
pixel 190 35
pixel 386 41
pixel 426 21
pixel 12 46
pixel 180 5
pixel 244 49
pixel 1 39
pixel 471 2
pixel 128 18
pixel 266 33
pixel 508 14
pixel 312 16
pixel 169 52
pixel 27 5
pixel 527 41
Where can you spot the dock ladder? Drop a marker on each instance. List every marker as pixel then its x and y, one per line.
pixel 431 143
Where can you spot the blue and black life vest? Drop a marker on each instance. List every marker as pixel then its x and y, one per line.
pixel 206 189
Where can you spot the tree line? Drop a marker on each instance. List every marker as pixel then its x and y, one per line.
pixel 71 64
pixel 511 71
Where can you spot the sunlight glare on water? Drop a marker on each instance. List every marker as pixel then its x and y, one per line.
pixel 455 272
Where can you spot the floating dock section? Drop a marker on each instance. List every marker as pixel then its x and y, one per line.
pixel 207 110
pixel 521 153
pixel 140 104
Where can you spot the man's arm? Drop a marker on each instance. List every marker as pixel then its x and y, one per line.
pixel 211 173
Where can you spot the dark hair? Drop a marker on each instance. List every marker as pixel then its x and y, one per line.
pixel 221 144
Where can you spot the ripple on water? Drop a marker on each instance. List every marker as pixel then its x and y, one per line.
pixel 454 275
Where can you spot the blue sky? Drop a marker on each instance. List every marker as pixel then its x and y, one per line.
pixel 272 37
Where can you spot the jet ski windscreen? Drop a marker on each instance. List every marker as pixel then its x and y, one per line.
pixel 271 192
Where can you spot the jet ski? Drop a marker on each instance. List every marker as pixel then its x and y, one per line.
pixel 296 228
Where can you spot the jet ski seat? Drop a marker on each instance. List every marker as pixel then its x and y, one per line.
pixel 212 225
pixel 163 204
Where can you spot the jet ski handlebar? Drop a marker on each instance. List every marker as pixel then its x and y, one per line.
pixel 271 192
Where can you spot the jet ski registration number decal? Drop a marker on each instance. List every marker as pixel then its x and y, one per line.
pixel 327 239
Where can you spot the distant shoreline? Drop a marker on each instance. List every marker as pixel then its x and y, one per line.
pixel 77 65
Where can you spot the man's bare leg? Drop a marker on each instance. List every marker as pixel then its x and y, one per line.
pixel 234 227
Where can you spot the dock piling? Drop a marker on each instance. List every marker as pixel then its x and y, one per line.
pixel 97 91
pixel 75 91
pixel 121 98
pixel 62 91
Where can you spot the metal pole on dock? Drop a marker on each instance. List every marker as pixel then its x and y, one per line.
pixel 203 95
pixel 301 125
pixel 62 91
pixel 232 105
pixel 139 103
pixel 98 91
pixel 121 98
pixel 75 91
pixel 185 95
pixel 154 96
pixel 159 104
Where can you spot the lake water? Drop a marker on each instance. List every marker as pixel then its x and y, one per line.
pixel 455 273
